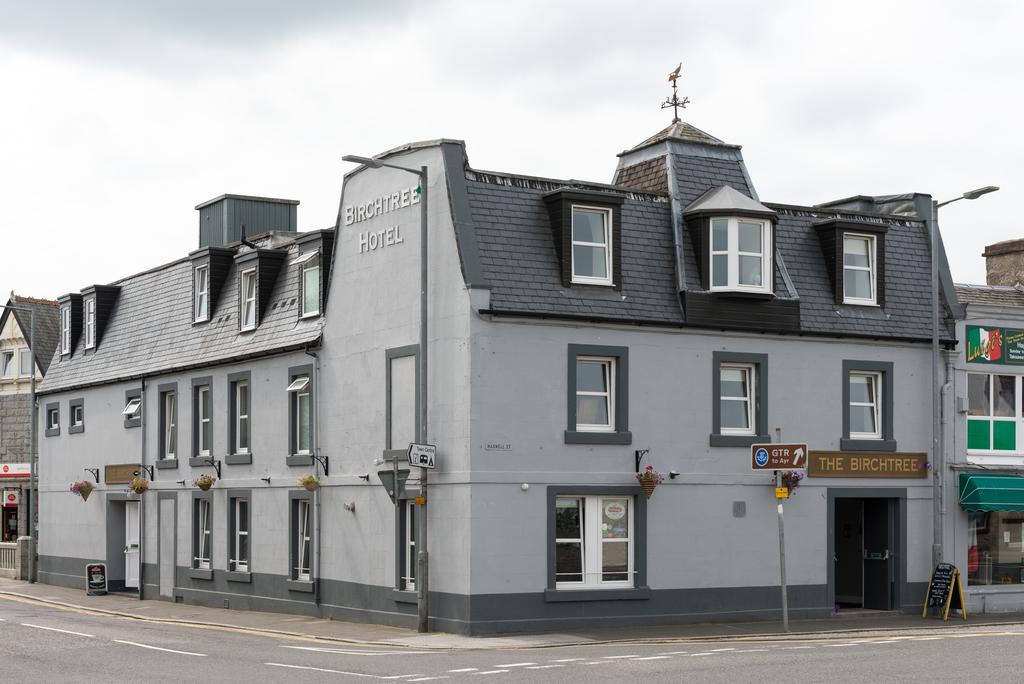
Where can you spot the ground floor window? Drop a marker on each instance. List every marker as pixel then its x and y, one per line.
pixel 201 534
pixel 995 547
pixel 301 535
pixel 593 541
pixel 239 560
pixel 408 579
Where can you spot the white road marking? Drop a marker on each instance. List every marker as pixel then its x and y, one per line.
pixel 427 679
pixel 887 641
pixel 794 648
pixel 486 672
pixel 657 657
pixel 926 638
pixel 345 651
pixel 465 669
pixel 157 648
pixel 674 653
pixel 567 660
pixel 600 662
pixel 694 655
pixel 721 650
pixel 322 669
pixel 839 645
pixel 752 650
pixel 543 667
pixel 617 657
pixel 62 631
pixel 515 664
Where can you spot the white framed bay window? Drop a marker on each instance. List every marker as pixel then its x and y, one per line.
pixel 740 255
pixel 591 245
pixel 594 542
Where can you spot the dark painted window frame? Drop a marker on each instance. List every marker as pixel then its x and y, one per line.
pixel 302 284
pixel 162 390
pixel 194 571
pixel 72 428
pixel 887 442
pixel 760 364
pixel 400 594
pixel 294 459
pixel 47 430
pixel 233 457
pixel 560 203
pixel 235 575
pixel 254 268
pixel 294 584
pixel 203 262
pixel 621 434
pixel 194 458
pixel 640 590
pixel 830 235
pixel 389 356
pixel 128 396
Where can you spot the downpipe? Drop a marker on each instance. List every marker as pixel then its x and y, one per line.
pixel 142 498
pixel 316 495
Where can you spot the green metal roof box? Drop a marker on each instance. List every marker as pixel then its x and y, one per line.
pixel 991 492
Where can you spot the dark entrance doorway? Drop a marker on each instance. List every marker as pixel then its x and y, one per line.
pixel 864 554
pixel 9 524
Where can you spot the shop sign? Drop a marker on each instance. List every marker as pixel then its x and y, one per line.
pixel 122 473
pixel 95 579
pixel 615 510
pixel 778 456
pixel 12 497
pixel 15 470
pixel 995 345
pixel 867 464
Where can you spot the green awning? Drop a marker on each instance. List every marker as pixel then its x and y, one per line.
pixel 991 492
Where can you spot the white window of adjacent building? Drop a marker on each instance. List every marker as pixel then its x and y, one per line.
pixel 248 297
pixel 202 293
pixel 7 364
pixel 994 410
pixel 302 538
pixel 132 408
pixel 170 423
pixel 595 394
pixel 865 405
pixel 65 330
pixel 409 580
pixel 240 536
pixel 591 246
pixel 736 399
pixel 203 425
pixel 241 417
pixel 593 542
pixel 77 416
pixel 90 322
pixel 311 287
pixel 301 417
pixel 201 557
pixel 740 255
pixel 26 367
pixel 859 282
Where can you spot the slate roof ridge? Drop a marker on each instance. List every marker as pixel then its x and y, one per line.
pixel 826 212
pixel 21 299
pixel 490 177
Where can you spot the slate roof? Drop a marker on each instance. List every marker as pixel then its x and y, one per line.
pixel 150 331
pixel 520 264
pixel 47 330
pixel 995 295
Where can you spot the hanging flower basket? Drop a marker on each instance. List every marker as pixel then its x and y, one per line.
pixel 649 478
pixel 790 480
pixel 310 482
pixel 82 488
pixel 204 482
pixel 139 484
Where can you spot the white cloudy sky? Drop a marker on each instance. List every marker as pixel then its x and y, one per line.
pixel 118 116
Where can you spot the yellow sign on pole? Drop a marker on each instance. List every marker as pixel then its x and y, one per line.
pixel 782 492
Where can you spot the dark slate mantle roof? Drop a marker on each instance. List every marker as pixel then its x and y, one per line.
pixel 150 331
pixel 47 326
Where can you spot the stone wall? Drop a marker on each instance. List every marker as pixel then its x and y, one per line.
pixel 1004 263
pixel 15 426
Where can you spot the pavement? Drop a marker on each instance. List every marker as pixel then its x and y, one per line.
pixel 840 626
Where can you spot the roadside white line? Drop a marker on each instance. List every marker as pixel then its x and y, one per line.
pixel 887 641
pixel 795 648
pixel 417 674
pixel 54 629
pixel 694 655
pixel 618 657
pixel 567 660
pixel 515 664
pixel 839 645
pixel 599 662
pixel 674 653
pixel 322 669
pixel 344 651
pixel 926 638
pixel 427 679
pixel 465 669
pixel 752 650
pixel 657 657
pixel 543 667
pixel 157 648
pixel 487 672
pixel 722 650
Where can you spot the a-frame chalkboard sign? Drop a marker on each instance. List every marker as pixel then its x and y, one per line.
pixel 945 591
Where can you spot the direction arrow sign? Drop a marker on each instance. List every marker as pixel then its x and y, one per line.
pixel 422 455
pixel 778 456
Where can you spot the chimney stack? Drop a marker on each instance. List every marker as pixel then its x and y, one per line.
pixel 1004 263
pixel 221 219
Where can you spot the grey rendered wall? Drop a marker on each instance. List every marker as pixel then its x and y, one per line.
pixel 519 385
pixel 374 306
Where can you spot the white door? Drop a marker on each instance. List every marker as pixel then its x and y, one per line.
pixel 131 544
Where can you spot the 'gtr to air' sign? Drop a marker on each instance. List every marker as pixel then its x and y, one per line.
pixel 995 345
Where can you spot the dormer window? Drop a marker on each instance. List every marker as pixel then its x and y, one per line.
pixel 65 329
pixel 591 245
pixel 740 259
pixel 859 269
pixel 247 294
pixel 90 323
pixel 202 293
pixel 311 286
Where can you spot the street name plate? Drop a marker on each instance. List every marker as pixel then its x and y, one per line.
pixel 778 456
pixel 422 455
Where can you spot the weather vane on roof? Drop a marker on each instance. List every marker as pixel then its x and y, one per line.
pixel 674 102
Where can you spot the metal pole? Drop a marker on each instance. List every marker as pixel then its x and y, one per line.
pixel 422 565
pixel 937 460
pixel 782 559
pixel 33 513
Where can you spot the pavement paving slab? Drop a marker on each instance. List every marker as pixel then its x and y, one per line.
pixel 863 623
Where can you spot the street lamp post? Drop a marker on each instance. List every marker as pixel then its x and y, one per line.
pixel 33 505
pixel 422 557
pixel 938 462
